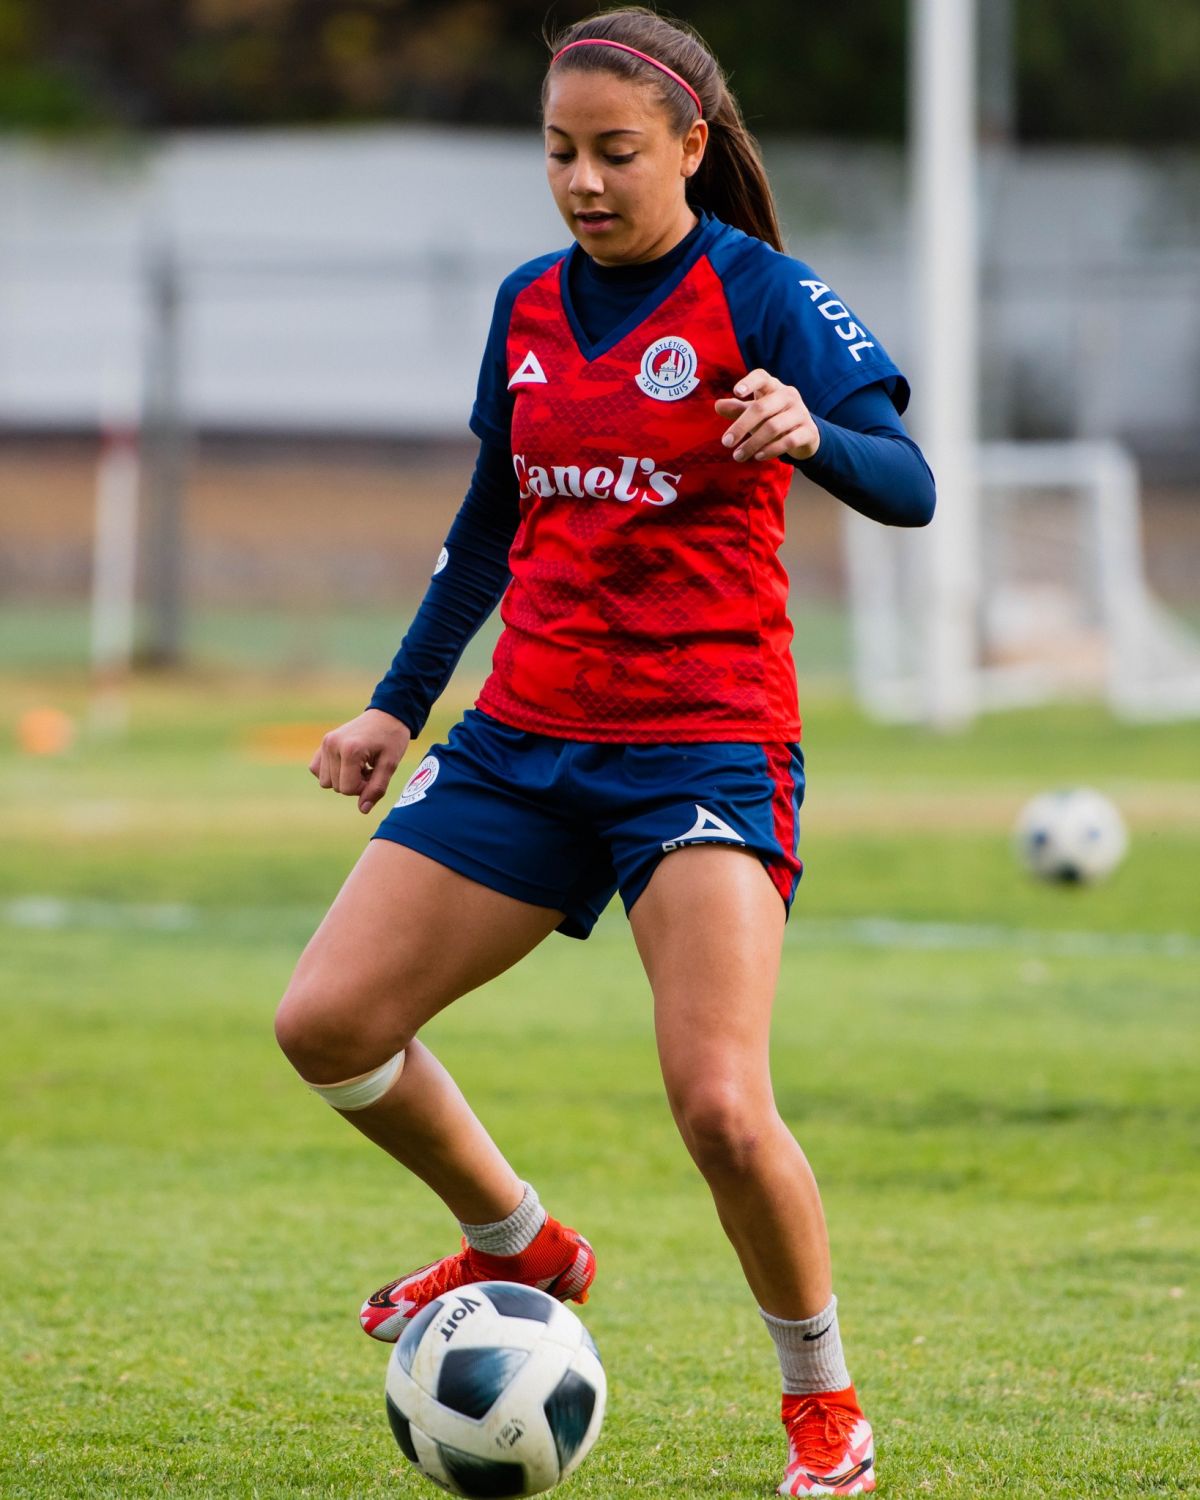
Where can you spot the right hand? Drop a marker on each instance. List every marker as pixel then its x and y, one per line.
pixel 360 758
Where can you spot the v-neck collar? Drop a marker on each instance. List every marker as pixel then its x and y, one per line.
pixel 653 298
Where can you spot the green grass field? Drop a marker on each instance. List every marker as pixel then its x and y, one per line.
pixel 996 1083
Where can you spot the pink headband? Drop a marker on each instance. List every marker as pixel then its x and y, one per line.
pixel 600 41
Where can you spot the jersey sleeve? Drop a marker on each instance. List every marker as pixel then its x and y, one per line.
pixel 467 583
pixel 491 415
pixel 791 322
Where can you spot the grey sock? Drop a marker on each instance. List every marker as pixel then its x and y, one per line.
pixel 810 1352
pixel 512 1235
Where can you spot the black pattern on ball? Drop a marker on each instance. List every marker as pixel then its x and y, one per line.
pixel 481 1478
pixel 569 1410
pixel 513 1301
pixel 402 1432
pixel 471 1381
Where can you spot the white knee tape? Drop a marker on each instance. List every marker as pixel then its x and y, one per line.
pixel 367 1088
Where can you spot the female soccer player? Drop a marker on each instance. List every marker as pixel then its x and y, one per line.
pixel 643 400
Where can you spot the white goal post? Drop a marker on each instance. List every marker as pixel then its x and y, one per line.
pixel 1061 610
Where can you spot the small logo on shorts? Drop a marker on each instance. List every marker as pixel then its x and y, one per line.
pixel 707 828
pixel 420 781
pixel 443 559
pixel 668 370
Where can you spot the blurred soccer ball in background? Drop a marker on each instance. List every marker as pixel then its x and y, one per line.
pixel 496 1389
pixel 1071 836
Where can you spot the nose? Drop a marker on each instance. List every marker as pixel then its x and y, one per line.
pixel 586 180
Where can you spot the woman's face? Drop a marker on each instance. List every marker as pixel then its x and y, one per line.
pixel 616 169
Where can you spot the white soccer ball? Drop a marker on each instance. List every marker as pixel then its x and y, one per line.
pixel 495 1390
pixel 1071 836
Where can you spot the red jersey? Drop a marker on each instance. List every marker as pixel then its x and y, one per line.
pixel 648 602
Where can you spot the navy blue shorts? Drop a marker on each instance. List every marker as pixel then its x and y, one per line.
pixel 566 823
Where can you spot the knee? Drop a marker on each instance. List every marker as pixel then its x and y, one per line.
pixel 724 1128
pixel 325 1037
pixel 308 1034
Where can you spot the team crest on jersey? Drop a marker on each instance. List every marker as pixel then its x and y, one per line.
pixel 668 370
pixel 420 781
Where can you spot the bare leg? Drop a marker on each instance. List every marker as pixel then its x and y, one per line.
pixel 709 928
pixel 427 1125
pixel 404 938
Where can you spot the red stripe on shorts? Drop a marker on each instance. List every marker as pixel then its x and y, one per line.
pixel 783 871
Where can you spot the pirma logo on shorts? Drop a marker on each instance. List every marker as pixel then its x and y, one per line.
pixel 420 781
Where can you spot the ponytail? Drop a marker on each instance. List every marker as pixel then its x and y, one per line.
pixel 731 183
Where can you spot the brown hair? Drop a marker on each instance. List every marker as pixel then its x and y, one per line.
pixel 730 182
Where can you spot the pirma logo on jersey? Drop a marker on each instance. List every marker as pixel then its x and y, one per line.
pixel 529 372
pixel 668 370
pixel 420 781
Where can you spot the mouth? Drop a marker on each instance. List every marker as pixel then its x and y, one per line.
pixel 595 218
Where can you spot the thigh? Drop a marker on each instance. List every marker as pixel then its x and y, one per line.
pixel 709 929
pixel 405 937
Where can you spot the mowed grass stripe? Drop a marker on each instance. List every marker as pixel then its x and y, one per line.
pixel 54 913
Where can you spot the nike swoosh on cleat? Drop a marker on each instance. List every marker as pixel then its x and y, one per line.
pixel 845 1477
pixel 556 1285
pixel 552 1284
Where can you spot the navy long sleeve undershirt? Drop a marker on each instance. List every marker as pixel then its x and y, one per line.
pixel 865 458
pixel 461 595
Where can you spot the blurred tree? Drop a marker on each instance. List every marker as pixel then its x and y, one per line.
pixel 1125 70
pixel 35 91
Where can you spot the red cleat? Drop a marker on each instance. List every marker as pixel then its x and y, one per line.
pixel 831 1450
pixel 559 1261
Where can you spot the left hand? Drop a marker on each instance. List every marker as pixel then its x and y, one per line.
pixel 772 419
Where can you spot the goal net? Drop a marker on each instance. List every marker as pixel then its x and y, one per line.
pixel 1061 603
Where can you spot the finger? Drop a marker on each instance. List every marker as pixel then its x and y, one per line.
pixel 754 383
pixel 754 416
pixel 792 443
pixel 744 393
pixel 377 784
pixel 328 765
pixel 355 766
pixel 314 765
pixel 784 424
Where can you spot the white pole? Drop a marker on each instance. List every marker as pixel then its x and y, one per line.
pixel 163 457
pixel 114 566
pixel 943 148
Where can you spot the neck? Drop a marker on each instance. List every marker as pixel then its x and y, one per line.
pixel 680 228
